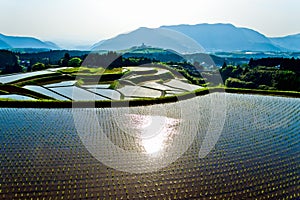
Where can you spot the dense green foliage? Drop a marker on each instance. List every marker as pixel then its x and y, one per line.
pixel 9 62
pixel 115 85
pixel 282 77
pixel 38 66
pixel 282 63
pixel 50 57
pixel 74 62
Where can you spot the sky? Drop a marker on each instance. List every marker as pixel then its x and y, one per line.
pixel 77 22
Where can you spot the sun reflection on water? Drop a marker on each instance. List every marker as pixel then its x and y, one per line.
pixel 153 132
pixel 153 145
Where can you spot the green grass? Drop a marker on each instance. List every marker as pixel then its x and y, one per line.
pixel 95 78
pixel 263 92
pixel 144 78
pixel 3 92
pixel 88 70
pixel 115 85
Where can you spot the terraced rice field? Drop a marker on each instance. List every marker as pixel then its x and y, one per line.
pixel 110 94
pixel 56 153
pixel 45 91
pixel 61 84
pixel 181 85
pixel 16 97
pixel 77 94
pixel 15 77
pixel 140 82
pixel 137 91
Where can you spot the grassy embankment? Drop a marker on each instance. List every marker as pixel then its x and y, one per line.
pixel 94 75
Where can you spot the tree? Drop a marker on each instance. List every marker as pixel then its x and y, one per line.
pixel 74 62
pixel 67 56
pixel 9 62
pixel 224 65
pixel 236 83
pixel 9 69
pixel 38 66
pixel 64 61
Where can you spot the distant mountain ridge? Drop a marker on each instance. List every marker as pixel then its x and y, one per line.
pixel 291 42
pixel 212 37
pixel 226 37
pixel 157 37
pixel 16 42
pixel 184 39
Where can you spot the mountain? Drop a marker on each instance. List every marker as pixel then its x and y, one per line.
pixel 4 45
pixel 226 37
pixel 199 37
pixel 8 42
pixel 291 42
pixel 52 44
pixel 157 37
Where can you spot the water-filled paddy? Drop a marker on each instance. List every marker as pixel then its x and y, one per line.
pixel 15 77
pixel 55 152
pixel 16 97
pixel 45 91
pixel 77 93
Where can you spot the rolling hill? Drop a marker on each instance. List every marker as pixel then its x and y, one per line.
pixel 184 39
pixel 291 42
pixel 226 37
pixel 4 45
pixel 195 38
pixel 17 42
pixel 158 37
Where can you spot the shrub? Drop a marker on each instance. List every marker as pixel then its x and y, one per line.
pixel 38 66
pixel 236 83
pixel 115 85
pixel 74 62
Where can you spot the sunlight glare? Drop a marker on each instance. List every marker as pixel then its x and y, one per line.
pixel 155 131
pixel 155 144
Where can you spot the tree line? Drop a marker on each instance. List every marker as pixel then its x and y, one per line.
pixel 265 73
pixel 281 63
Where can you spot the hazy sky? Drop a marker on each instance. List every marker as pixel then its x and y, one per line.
pixel 89 21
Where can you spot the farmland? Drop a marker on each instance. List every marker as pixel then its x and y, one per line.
pixel 254 154
pixel 66 84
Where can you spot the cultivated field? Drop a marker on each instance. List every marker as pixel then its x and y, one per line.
pixel 84 84
pixel 55 152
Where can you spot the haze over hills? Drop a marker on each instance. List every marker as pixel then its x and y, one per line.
pixel 15 42
pixel 184 39
pixel 291 42
pixel 226 37
pixel 212 37
pixel 158 37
